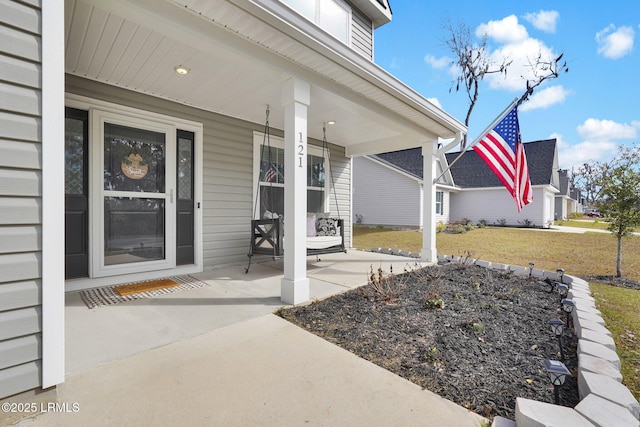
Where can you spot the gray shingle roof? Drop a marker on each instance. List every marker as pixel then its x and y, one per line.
pixel 470 171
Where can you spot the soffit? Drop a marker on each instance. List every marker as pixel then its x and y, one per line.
pixel 239 57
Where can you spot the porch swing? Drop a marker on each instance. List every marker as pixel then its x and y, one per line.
pixel 325 234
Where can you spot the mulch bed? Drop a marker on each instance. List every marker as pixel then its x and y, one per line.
pixel 473 335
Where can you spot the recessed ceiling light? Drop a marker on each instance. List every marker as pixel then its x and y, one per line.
pixel 183 71
pixel 331 122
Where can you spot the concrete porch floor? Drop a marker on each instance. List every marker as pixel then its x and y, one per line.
pixel 109 333
pixel 218 356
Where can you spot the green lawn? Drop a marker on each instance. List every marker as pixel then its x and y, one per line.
pixel 585 223
pixel 619 307
pixel 581 255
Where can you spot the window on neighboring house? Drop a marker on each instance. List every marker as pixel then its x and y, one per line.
pixel 440 202
pixel 334 16
pixel 270 170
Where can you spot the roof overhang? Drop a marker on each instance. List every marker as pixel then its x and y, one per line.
pixel 378 10
pixel 239 53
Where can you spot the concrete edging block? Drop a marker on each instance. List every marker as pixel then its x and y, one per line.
pixel 531 413
pixel 609 389
pixel 586 324
pixel 599 337
pixel 604 413
pixel 598 350
pixel 581 315
pixel 599 366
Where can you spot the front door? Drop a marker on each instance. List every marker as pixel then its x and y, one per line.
pixel 138 213
pixel 134 196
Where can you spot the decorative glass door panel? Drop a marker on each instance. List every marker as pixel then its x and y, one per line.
pixel 134 223
pixel 134 195
pixel 134 230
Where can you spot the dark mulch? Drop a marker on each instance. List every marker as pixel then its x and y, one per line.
pixel 615 281
pixel 481 350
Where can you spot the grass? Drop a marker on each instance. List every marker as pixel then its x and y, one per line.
pixel 619 307
pixel 588 254
pixel 585 223
pixel 582 255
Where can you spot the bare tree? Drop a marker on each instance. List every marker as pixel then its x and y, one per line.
pixel 474 63
pixel 542 70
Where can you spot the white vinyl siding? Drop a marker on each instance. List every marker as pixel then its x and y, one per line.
pixel 228 190
pixel 384 196
pixel 20 197
pixel 481 204
pixel 362 34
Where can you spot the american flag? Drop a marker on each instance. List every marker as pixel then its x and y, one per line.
pixel 502 150
pixel 271 174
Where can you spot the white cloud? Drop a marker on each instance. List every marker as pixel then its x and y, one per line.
pixel 507 30
pixel 515 46
pixel 544 20
pixel 437 63
pixel 615 43
pixel 577 154
pixel 522 54
pixel 435 102
pixel 606 130
pixel 545 98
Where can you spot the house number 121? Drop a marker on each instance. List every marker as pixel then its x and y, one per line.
pixel 300 151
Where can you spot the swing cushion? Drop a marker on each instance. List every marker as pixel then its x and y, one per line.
pixel 326 226
pixel 323 242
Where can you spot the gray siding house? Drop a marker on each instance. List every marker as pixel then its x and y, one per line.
pixel 470 191
pixel 129 133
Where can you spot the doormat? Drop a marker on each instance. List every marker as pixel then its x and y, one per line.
pixel 151 285
pixel 108 295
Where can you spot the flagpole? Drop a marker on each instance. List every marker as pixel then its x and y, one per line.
pixel 495 122
pixel 502 115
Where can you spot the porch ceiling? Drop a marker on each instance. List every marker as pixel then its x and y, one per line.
pixel 239 57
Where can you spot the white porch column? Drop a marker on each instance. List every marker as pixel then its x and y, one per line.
pixel 429 157
pixel 294 287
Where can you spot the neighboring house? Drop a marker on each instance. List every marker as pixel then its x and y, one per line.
pixel 471 190
pixel 388 190
pixel 483 197
pixel 568 199
pixel 575 204
pixel 136 125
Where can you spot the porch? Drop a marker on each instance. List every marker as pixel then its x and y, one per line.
pixel 216 355
pixel 104 334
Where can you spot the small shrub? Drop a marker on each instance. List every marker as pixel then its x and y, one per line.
pixel 482 223
pixel 466 260
pixel 526 223
pixel 440 227
pixel 502 222
pixel 432 298
pixel 384 288
pixel 456 229
pixel 435 303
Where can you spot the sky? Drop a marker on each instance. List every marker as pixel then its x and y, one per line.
pixel 590 110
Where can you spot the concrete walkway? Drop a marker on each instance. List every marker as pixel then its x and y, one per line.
pixel 263 372
pixel 217 356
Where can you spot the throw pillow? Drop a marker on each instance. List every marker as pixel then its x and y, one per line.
pixel 311 225
pixel 327 227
